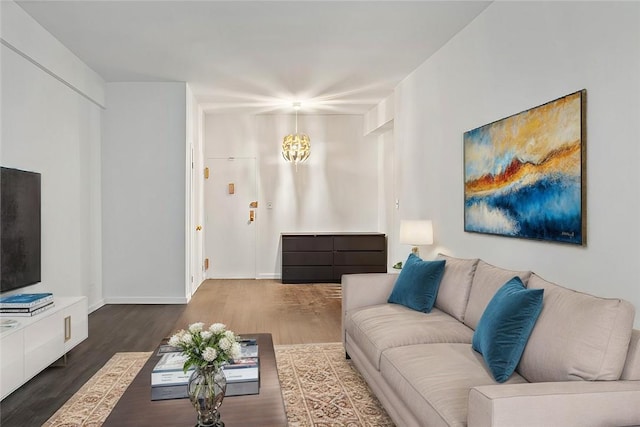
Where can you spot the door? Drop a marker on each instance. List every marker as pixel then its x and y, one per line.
pixel 197 219
pixel 230 232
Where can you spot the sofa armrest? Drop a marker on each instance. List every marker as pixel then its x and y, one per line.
pixel 571 403
pixel 362 290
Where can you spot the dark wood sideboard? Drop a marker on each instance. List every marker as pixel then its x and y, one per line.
pixel 325 257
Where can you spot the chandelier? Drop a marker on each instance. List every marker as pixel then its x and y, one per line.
pixel 296 147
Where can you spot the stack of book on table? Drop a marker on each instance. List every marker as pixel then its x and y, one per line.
pixel 243 374
pixel 169 381
pixel 25 305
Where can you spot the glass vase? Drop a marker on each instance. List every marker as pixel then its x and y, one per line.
pixel 207 386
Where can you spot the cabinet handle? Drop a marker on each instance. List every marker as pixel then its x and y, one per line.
pixel 67 328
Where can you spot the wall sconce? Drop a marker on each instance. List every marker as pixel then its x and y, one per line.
pixel 416 233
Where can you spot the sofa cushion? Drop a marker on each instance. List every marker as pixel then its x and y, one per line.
pixel 418 283
pixel 631 369
pixel 376 328
pixel 577 336
pixel 455 285
pixel 486 282
pixel 505 326
pixel 434 380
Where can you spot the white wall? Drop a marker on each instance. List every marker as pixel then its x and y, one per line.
pixel 388 221
pixel 380 118
pixel 50 125
pixel 25 36
pixel 514 56
pixel 143 193
pixel 335 190
pixel 378 129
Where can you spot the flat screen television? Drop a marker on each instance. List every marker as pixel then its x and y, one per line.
pixel 20 254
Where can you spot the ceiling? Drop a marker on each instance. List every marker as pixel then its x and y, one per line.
pixel 259 57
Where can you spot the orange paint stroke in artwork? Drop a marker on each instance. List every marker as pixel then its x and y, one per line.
pixel 565 160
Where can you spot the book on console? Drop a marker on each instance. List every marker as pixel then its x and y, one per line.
pixel 25 309
pixel 29 313
pixel 25 300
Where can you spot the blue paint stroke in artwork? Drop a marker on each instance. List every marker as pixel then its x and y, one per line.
pixel 496 163
pixel 549 209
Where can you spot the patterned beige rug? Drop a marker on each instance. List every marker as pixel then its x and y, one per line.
pixel 319 387
pixel 91 405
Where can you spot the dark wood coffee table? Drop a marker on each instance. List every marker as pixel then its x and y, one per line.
pixel 135 407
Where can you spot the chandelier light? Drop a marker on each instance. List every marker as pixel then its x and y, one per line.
pixel 296 147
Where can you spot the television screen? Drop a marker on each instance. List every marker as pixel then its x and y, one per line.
pixel 20 252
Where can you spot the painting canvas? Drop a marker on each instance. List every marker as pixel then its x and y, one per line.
pixel 524 175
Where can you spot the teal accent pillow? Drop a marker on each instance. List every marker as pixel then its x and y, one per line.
pixel 505 327
pixel 418 283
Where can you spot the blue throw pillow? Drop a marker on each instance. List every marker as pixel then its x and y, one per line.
pixel 505 327
pixel 418 283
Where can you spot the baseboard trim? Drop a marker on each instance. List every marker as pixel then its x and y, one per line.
pixel 94 307
pixel 261 276
pixel 146 300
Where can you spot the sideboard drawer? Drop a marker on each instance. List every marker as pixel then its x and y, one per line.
pixel 373 242
pixel 307 243
pixel 307 258
pixel 359 258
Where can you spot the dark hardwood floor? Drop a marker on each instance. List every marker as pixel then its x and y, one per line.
pixel 291 313
pixel 112 328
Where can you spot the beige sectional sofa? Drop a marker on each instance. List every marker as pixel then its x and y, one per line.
pixel 580 366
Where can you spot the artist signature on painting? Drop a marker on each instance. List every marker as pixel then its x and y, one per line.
pixel 568 234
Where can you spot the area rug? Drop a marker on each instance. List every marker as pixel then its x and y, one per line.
pixel 319 386
pixel 91 405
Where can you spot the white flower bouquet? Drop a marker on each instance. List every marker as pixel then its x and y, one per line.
pixel 211 347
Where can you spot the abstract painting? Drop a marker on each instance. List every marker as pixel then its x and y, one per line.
pixel 524 174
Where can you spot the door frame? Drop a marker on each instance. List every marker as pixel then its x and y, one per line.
pixel 194 208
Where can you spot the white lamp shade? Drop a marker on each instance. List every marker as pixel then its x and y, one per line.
pixel 416 232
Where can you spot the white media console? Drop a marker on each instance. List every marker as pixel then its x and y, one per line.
pixel 38 341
